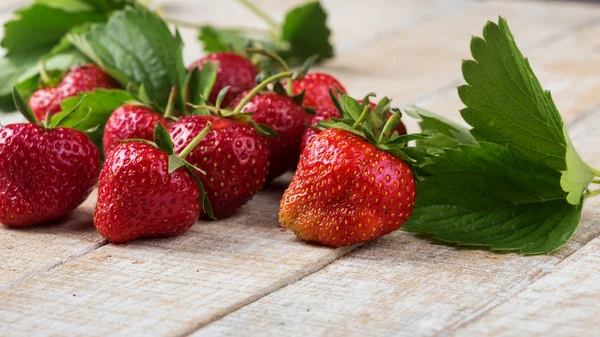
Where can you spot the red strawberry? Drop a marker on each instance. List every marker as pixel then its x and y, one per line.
pixel 311 132
pixel 44 173
pixel 316 87
pixel 346 189
pixel 141 193
pixel 233 155
pixel 289 119
pixel 79 79
pixel 234 71
pixel 44 101
pixel 130 121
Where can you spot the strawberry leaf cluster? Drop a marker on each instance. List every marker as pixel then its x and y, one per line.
pixel 25 46
pixel 302 34
pixel 514 180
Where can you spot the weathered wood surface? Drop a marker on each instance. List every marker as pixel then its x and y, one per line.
pixel 248 277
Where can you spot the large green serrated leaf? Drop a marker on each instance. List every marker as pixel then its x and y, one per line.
pixel 137 48
pixel 492 196
pixel 507 105
pixel 40 27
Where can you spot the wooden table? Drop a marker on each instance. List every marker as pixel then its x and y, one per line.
pixel 245 276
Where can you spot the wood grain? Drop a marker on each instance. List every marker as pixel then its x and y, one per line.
pixel 404 285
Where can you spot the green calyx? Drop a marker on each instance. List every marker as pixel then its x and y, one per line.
pixel 48 122
pixel 237 113
pixel 162 140
pixel 374 126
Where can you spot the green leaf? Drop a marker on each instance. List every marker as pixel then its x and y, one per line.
pixel 40 27
pixel 507 105
pixel 352 108
pixel 137 48
pixel 163 141
pixel 175 162
pixel 221 96
pixel 220 40
pixel 199 83
pixel 23 107
pixel 305 29
pixel 492 196
pixel 445 134
pixel 93 111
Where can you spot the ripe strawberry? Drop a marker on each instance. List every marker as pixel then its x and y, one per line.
pixel 147 191
pixel 44 172
pixel 234 71
pixel 288 119
pixel 233 154
pixel 316 87
pixel 79 79
pixel 346 188
pixel 128 122
pixel 321 115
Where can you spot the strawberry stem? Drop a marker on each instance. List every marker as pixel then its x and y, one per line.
pixel 277 59
pixel 258 88
pixel 171 103
pixel 44 74
pixel 192 145
pixel 596 181
pixel 261 14
pixel 389 127
pixel 591 194
pixel 363 116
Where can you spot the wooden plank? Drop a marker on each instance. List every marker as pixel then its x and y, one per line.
pixel 168 286
pixel 421 60
pixel 403 285
pixel 188 281
pixel 563 303
pixel 406 286
pixel 26 252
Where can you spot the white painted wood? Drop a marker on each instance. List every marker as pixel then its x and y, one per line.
pixel 563 303
pixel 400 284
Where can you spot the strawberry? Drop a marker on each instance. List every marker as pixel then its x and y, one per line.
pixel 234 71
pixel 288 119
pixel 351 184
pixel 134 121
pixel 130 121
pixel 316 87
pixel 146 190
pixel 234 156
pixel 326 114
pixel 79 79
pixel 44 172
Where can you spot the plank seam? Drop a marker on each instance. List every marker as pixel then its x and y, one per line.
pixel 53 264
pixel 274 287
pixel 516 290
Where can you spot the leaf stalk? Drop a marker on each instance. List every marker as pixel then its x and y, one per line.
pixel 192 145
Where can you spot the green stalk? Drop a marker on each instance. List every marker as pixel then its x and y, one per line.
pixel 261 14
pixel 44 74
pixel 171 103
pixel 596 181
pixel 192 145
pixel 277 59
pixel 363 116
pixel 258 88
pixel 591 194
pixel 389 126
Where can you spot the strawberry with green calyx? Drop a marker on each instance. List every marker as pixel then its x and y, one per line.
pixel 327 114
pixel 235 154
pixel 84 78
pixel 147 190
pixel 134 120
pixel 286 116
pixel 46 170
pixel 354 180
pixel 234 71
